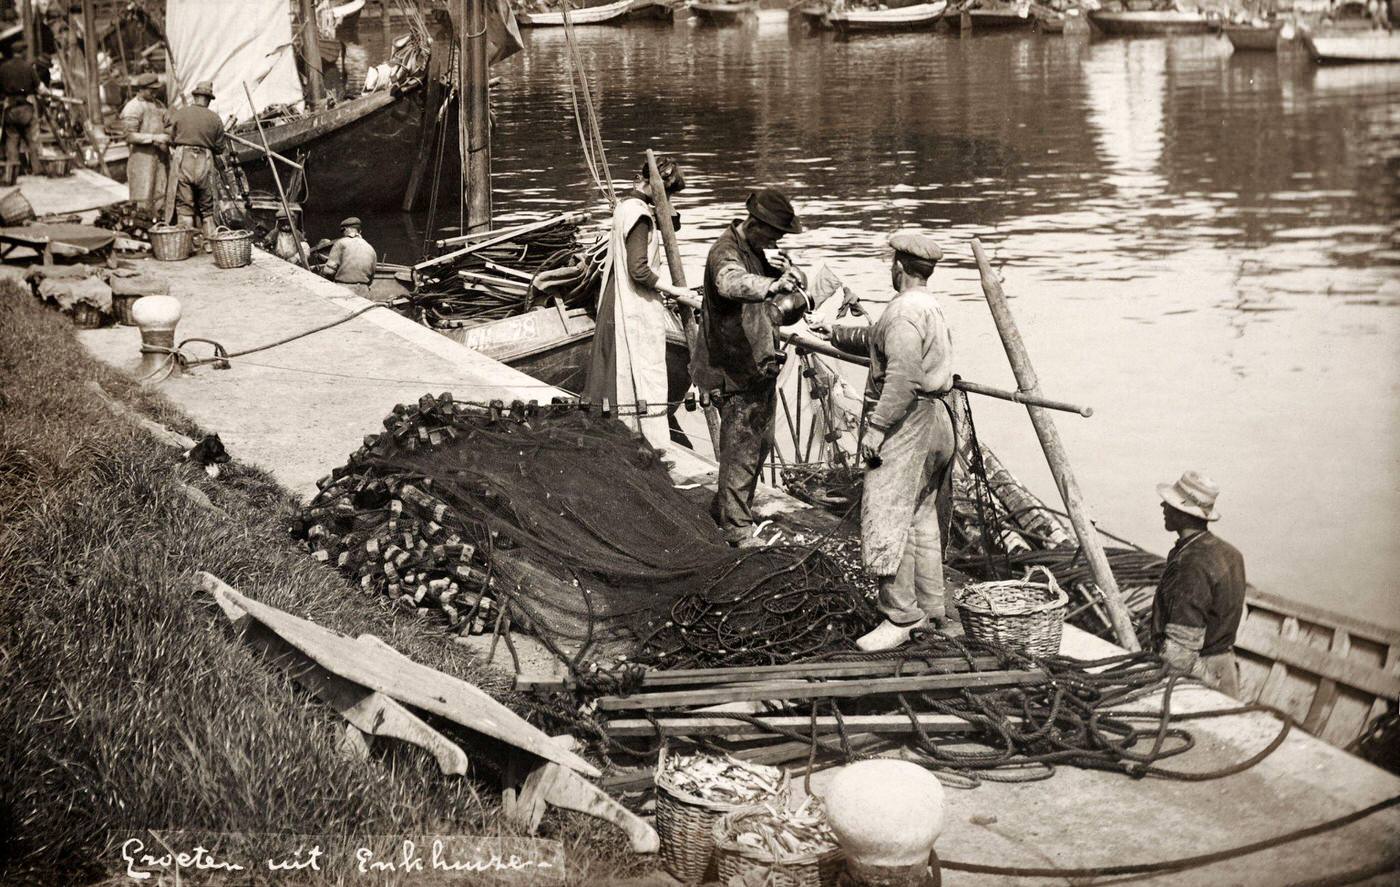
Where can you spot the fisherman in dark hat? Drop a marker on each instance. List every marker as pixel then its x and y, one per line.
pixel 1200 598
pixel 146 120
pixel 19 115
pixel 198 136
pixel 907 447
pixel 739 358
pixel 351 261
pixel 629 348
pixel 286 244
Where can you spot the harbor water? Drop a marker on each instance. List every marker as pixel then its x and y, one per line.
pixel 1205 247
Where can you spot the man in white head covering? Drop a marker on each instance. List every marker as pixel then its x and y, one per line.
pixel 1200 599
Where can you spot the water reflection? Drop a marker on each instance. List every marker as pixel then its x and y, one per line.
pixel 1202 245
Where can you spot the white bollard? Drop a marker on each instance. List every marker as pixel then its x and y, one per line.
pixel 886 815
pixel 157 316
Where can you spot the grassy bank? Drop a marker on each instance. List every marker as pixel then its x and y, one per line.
pixel 128 703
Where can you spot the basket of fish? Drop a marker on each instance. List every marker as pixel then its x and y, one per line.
pixel 692 793
pixel 778 846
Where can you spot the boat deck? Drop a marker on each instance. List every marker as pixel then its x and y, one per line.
pixel 299 409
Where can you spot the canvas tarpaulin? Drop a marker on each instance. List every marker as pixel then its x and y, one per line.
pixel 232 42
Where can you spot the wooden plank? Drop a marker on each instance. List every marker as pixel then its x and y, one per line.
pixel 1289 653
pixel 1326 696
pixel 1270 693
pixel 1392 666
pixel 688 677
pixel 826 725
pixel 367 712
pixel 809 690
pixel 1357 628
pixel 403 679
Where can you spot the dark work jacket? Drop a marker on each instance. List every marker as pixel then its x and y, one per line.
pixel 736 324
pixel 1202 587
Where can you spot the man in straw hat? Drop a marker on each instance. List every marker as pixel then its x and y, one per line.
pixel 198 135
pixel 738 357
pixel 1200 599
pixel 907 447
pixel 19 115
pixel 145 121
pixel 351 261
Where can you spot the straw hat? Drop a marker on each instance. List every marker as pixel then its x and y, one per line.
pixel 1193 493
pixel 204 87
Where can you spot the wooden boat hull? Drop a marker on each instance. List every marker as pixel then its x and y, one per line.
pixel 608 14
pixel 650 11
pixel 344 149
pixel 1148 24
pixel 1250 38
pixel 723 13
pixel 920 17
pixel 978 19
pixel 813 14
pixel 1353 47
pixel 1050 24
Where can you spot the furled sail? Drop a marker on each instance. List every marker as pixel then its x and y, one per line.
pixel 233 42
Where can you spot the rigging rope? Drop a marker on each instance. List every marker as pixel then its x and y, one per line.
pixel 594 154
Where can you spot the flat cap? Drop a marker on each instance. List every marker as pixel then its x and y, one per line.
pixel 912 243
pixel 352 222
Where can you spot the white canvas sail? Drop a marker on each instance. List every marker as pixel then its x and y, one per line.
pixel 233 42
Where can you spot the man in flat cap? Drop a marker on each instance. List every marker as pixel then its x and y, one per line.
pixel 351 261
pixel 629 347
pixel 738 358
pixel 19 114
pixel 1200 598
pixel 198 136
pixel 145 121
pixel 907 447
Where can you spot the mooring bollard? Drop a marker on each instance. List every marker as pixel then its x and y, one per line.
pixel 157 316
pixel 886 815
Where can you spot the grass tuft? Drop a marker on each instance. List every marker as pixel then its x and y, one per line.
pixel 128 703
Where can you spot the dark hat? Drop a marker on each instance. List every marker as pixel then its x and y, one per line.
pixel 141 81
pixel 282 214
pixel 204 87
pixel 670 171
pixel 912 243
pixel 352 222
pixel 772 207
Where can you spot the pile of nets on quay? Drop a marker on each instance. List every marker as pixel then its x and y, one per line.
pixel 563 521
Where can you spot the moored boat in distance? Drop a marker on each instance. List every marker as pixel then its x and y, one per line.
pixel 1347 46
pixel 1254 38
pixel 651 10
pixel 1151 23
pixel 607 14
pixel 722 12
pixel 996 15
pixel 812 13
pixel 918 17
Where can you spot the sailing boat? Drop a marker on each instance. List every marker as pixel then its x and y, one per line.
pixel 247 49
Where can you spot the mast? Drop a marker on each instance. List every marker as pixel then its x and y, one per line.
pixel 472 84
pixel 94 86
pixel 30 29
pixel 311 51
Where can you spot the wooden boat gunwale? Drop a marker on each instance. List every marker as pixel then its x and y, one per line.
pixel 1116 23
pixel 1253 38
pixel 999 17
pixel 920 15
pixel 722 10
pixel 606 14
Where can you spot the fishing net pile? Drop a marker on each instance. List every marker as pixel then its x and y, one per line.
pixel 497 276
pixel 567 522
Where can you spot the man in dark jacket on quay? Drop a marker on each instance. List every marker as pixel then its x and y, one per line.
pixel 1200 598
pixel 740 346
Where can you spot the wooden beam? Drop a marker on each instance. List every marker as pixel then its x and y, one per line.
pixel 689 677
pixel 1316 661
pixel 824 690
pixel 719 725
pixel 1055 454
pixel 311 54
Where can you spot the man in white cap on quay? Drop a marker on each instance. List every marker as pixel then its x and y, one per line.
pixel 1200 599
pixel 907 447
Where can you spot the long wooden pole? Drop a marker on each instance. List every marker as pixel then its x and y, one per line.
pixel 30 29
pixel 94 85
pixel 473 87
pixel 1055 454
pixel 673 261
pixel 277 180
pixel 311 53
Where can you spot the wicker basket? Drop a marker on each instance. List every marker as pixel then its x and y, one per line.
pixel 232 249
pixel 86 317
pixel 1016 613
pixel 686 825
pixel 172 243
pixel 56 165
pixel 732 858
pixel 15 208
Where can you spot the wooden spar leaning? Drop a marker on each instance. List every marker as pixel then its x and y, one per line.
pixel 502 237
pixel 1055 452
pixel 242 141
pixel 673 261
pixel 311 52
pixel 277 180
